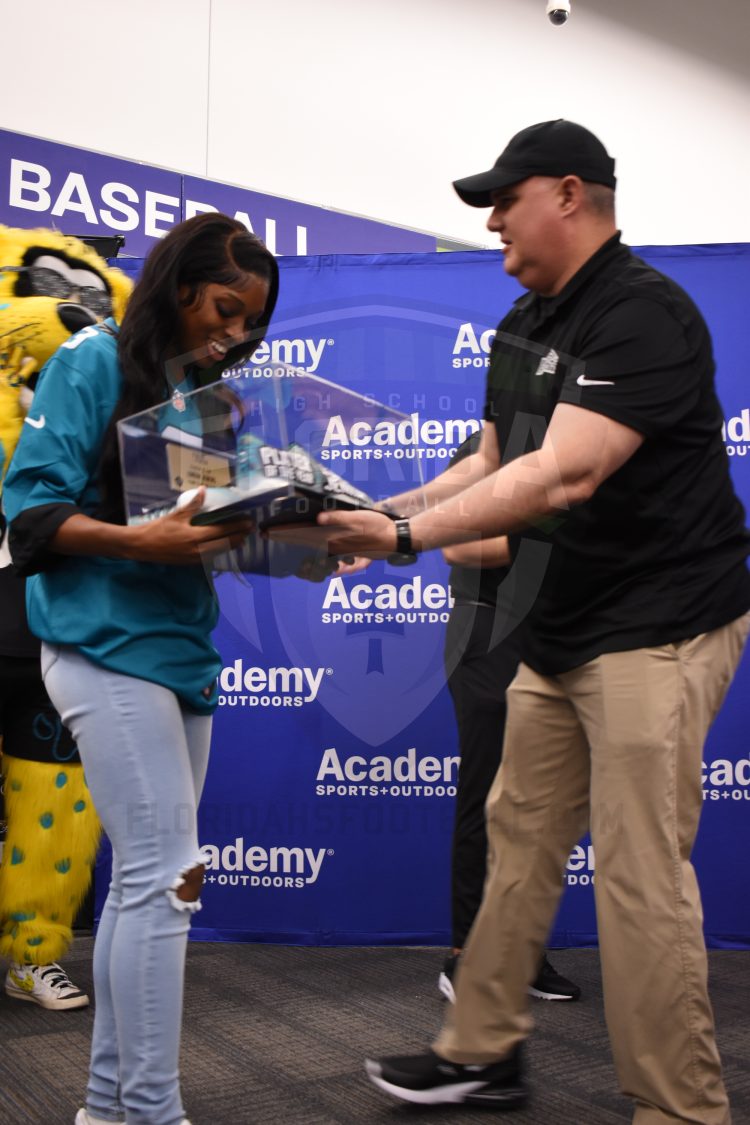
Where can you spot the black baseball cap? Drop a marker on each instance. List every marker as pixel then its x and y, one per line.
pixel 552 148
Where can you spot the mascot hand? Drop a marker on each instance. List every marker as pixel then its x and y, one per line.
pixel 15 398
pixel 16 368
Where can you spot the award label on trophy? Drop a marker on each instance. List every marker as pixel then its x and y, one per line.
pixel 265 447
pixel 192 467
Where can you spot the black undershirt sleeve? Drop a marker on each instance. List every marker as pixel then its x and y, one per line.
pixel 30 533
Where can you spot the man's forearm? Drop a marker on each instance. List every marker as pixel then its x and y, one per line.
pixel 479 553
pixel 527 490
pixel 581 450
pixel 454 480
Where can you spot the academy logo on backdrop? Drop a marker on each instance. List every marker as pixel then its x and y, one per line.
pixel 580 870
pixel 281 867
pixel 736 434
pixel 725 780
pixel 410 602
pixel 472 346
pixel 411 439
pixel 381 633
pixel 253 686
pixel 304 353
pixel 405 775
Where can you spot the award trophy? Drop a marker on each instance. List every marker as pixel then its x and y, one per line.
pixel 279 447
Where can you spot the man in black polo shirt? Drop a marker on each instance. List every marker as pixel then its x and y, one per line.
pixel 603 461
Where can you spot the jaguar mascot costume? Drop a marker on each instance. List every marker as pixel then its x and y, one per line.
pixel 50 287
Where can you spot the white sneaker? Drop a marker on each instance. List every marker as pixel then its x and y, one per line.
pixel 83 1117
pixel 46 985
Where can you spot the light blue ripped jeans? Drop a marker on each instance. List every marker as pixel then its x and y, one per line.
pixel 145 761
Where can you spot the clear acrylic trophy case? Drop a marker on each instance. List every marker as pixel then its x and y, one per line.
pixel 278 447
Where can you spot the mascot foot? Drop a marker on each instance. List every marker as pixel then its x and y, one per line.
pixel 46 985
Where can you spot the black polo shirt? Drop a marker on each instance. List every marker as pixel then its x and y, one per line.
pixel 658 553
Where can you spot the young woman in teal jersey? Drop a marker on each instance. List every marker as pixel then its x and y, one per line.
pixel 125 614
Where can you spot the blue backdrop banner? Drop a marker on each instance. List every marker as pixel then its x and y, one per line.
pixel 328 808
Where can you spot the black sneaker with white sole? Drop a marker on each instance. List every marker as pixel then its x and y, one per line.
pixel 551 985
pixel 548 984
pixel 430 1080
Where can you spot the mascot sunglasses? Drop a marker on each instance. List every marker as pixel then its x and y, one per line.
pixel 44 282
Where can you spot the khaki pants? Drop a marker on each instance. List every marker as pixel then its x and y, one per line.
pixel 614 746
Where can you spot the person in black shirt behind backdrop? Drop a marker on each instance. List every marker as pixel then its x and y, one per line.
pixel 604 463
pixel 482 651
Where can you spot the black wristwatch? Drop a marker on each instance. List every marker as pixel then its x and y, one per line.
pixel 404 555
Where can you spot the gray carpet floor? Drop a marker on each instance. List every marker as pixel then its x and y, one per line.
pixel 276 1034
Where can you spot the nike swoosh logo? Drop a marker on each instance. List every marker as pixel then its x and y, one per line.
pixel 37 423
pixel 584 382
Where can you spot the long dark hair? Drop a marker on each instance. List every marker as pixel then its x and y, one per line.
pixel 210 248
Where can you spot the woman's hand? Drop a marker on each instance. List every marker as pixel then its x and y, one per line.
pixel 173 539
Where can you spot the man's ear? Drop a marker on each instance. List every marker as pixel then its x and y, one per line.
pixel 570 193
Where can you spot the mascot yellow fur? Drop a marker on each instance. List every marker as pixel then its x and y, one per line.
pixel 51 285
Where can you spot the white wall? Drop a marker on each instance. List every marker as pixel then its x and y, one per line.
pixel 374 106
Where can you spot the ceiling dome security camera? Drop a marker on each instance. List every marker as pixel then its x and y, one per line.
pixel 558 11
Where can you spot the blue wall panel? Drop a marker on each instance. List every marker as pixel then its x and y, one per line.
pixel 329 799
